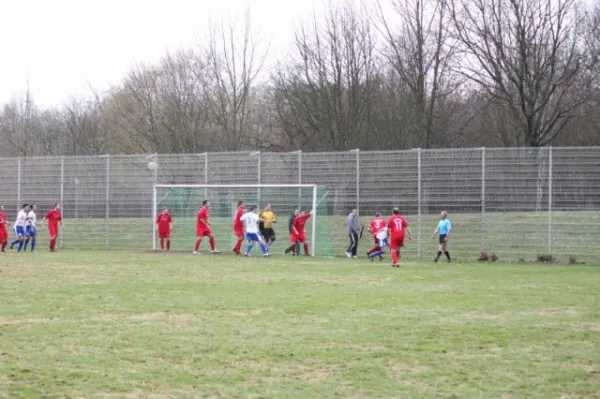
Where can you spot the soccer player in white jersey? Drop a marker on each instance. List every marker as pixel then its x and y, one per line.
pixel 31 229
pixel 382 241
pixel 20 227
pixel 251 221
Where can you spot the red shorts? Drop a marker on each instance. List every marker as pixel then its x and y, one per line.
pixel 164 234
pixel 238 232
pixel 397 242
pixel 53 231
pixel 3 235
pixel 298 237
pixel 203 232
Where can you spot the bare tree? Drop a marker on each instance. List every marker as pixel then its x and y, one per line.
pixel 86 130
pixel 162 108
pixel 325 94
pixel 422 54
pixel 19 124
pixel 527 56
pixel 234 61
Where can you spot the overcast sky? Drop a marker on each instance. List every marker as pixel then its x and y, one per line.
pixel 64 46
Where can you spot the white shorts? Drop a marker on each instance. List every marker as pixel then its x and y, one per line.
pixel 382 238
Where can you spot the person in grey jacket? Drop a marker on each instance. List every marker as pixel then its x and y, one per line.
pixel 353 230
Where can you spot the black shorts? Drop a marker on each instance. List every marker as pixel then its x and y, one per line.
pixel 267 233
pixel 442 239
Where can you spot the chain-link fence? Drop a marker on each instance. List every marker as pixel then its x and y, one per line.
pixel 515 202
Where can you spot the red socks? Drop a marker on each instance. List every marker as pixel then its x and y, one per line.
pixel 306 249
pixel 395 256
pixel 374 249
pixel 4 244
pixel 211 241
pixel 168 245
pixel 162 243
pixel 238 245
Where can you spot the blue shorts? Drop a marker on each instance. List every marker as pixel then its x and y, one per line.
pixel 256 237
pixel 30 231
pixel 442 239
pixel 383 242
pixel 20 231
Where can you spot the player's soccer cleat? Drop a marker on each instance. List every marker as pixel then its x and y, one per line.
pixel 348 254
pixel 246 255
pixel 4 250
pixel 267 255
pixel 216 252
pixel 355 257
pixel 195 252
pixel 436 260
pixel 396 265
pixel 449 260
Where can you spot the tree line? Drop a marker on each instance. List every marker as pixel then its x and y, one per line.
pixel 384 74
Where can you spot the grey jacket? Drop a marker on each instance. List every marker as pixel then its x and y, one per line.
pixel 353 225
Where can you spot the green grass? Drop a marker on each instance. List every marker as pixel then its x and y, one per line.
pixel 132 324
pixel 512 236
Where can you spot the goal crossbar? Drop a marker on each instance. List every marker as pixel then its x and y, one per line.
pixel 313 187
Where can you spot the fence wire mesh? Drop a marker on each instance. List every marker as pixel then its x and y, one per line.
pixel 516 202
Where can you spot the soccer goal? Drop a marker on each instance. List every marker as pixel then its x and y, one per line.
pixel 185 200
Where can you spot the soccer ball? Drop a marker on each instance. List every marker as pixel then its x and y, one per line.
pixel 152 165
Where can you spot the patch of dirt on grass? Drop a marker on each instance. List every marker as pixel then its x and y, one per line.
pixel 396 370
pixel 136 393
pixel 571 311
pixel 15 321
pixel 145 317
pixel 287 371
pixel 586 327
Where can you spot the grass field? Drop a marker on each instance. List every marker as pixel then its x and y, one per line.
pixel 133 324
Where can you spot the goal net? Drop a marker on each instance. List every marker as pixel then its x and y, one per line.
pixel 184 202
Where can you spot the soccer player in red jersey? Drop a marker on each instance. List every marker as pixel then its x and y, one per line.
pixel 238 227
pixel 203 228
pixel 164 226
pixel 397 225
pixel 298 235
pixel 3 232
pixel 375 227
pixel 54 218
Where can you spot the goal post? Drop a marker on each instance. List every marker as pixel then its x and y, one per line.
pixel 184 201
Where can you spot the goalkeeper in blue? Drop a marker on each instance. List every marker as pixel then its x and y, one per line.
pixel 251 221
pixel 443 230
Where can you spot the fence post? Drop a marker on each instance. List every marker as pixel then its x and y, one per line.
pixel 482 198
pixel 299 177
pixel 357 177
pixel 62 196
pixel 259 177
pixel 107 215
pixel 206 174
pixel 549 200
pixel 19 183
pixel 419 200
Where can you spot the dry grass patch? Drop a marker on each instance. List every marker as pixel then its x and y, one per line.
pixel 154 316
